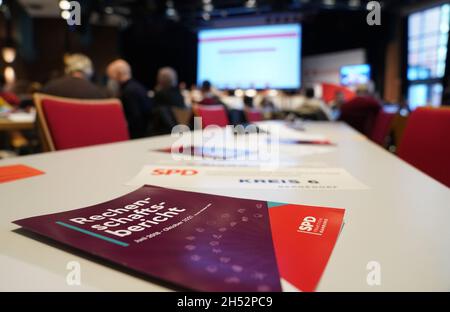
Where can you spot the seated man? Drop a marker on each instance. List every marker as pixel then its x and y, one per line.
pixel 135 101
pixel 76 83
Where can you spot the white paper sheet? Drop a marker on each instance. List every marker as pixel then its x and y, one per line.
pixel 322 179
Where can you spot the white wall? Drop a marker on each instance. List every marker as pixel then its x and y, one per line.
pixel 326 67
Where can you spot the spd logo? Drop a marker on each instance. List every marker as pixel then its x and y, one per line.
pixel 313 225
pixel 307 224
pixel 176 172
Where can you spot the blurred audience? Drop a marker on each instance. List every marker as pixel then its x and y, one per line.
pixel 76 81
pixel 209 97
pixel 313 108
pixel 167 92
pixel 136 104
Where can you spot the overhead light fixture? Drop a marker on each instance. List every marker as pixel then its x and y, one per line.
pixel 9 54
pixel 354 3
pixel 64 5
pixel 250 4
pixel 329 2
pixel 208 7
pixel 170 10
pixel 9 74
pixel 109 10
pixel 65 14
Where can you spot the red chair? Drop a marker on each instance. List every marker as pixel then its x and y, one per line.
pixel 69 123
pixel 253 115
pixel 382 127
pixel 212 115
pixel 426 142
pixel 360 113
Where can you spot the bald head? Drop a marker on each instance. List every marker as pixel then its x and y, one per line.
pixel 119 70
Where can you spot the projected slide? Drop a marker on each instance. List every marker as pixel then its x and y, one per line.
pixel 250 57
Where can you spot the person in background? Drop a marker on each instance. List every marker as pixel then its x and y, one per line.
pixel 167 96
pixel 136 104
pixel 76 81
pixel 185 93
pixel 314 108
pixel 336 104
pixel 7 96
pixel 209 97
pixel 167 92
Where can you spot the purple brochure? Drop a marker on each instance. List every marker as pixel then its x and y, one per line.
pixel 197 241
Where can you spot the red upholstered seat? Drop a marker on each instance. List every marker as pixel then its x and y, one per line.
pixel 360 113
pixel 213 115
pixel 426 142
pixel 253 115
pixel 382 127
pixel 70 123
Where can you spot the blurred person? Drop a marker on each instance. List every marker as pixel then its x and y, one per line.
pixel 313 108
pixel 167 96
pixel 185 93
pixel 136 103
pixel 196 94
pixel 76 81
pixel 167 92
pixel 336 104
pixel 209 97
pixel 7 96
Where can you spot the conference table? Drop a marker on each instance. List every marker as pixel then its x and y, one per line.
pixel 401 221
pixel 11 124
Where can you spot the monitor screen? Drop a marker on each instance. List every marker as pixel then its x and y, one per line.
pixel 352 75
pixel 257 57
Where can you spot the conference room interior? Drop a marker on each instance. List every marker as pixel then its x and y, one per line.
pixel 93 93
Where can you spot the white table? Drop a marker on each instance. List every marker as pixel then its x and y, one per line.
pixel 402 221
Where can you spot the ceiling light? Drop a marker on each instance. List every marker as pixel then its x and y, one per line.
pixel 329 2
pixel 65 14
pixel 10 75
pixel 208 7
pixel 109 10
pixel 9 54
pixel 354 3
pixel 250 4
pixel 64 5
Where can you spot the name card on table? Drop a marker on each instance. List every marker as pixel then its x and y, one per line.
pixel 202 177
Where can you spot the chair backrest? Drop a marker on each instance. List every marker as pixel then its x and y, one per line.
pixel 212 115
pixel 360 113
pixel 426 142
pixel 382 127
pixel 69 123
pixel 253 115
